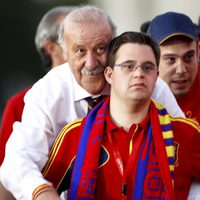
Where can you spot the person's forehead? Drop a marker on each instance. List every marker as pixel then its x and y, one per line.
pixel 178 46
pixel 136 51
pixel 91 34
pixel 178 39
pixel 87 27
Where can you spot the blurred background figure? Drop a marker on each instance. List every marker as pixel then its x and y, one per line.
pixel 46 38
pixel 46 41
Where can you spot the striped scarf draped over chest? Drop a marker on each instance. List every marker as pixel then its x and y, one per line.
pixel 86 164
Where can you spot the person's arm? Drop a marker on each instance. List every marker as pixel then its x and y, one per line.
pixel 45 192
pixel 195 158
pixel 28 146
pixel 163 95
pixel 4 194
pixel 194 193
pixel 48 195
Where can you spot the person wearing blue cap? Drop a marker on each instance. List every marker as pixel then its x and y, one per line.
pixel 178 39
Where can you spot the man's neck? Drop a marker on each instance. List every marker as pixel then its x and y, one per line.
pixel 127 114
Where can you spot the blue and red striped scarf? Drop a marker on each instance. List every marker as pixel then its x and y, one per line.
pixel 86 164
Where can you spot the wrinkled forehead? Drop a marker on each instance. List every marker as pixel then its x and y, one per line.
pixel 101 26
pixel 87 33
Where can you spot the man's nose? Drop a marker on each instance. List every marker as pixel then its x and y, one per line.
pixel 138 71
pixel 91 61
pixel 181 67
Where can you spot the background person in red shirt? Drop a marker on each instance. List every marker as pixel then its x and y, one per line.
pixel 178 39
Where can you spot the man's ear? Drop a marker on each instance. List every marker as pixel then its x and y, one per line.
pixel 49 47
pixel 108 74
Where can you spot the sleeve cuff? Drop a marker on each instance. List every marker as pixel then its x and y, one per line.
pixel 40 189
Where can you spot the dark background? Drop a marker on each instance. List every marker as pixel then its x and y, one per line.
pixel 19 61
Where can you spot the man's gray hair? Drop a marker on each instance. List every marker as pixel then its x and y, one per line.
pixel 84 14
pixel 48 30
pixel 49 25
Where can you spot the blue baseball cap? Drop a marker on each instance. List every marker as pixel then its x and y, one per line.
pixel 170 24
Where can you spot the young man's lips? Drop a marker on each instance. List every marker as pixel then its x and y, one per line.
pixel 138 85
pixel 180 81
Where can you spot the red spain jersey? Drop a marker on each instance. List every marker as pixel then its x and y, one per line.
pixel 109 181
pixel 190 102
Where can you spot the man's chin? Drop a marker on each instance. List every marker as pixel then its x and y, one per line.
pixel 180 93
pixel 94 88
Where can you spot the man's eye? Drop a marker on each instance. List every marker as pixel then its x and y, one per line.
pixel 149 67
pixel 101 50
pixel 128 67
pixel 80 51
pixel 170 60
pixel 188 58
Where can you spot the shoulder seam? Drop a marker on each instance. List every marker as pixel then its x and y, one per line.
pixel 189 121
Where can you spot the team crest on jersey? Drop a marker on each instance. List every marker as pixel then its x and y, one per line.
pixel 189 115
pixel 104 156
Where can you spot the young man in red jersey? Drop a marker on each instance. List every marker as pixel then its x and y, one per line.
pixel 128 147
